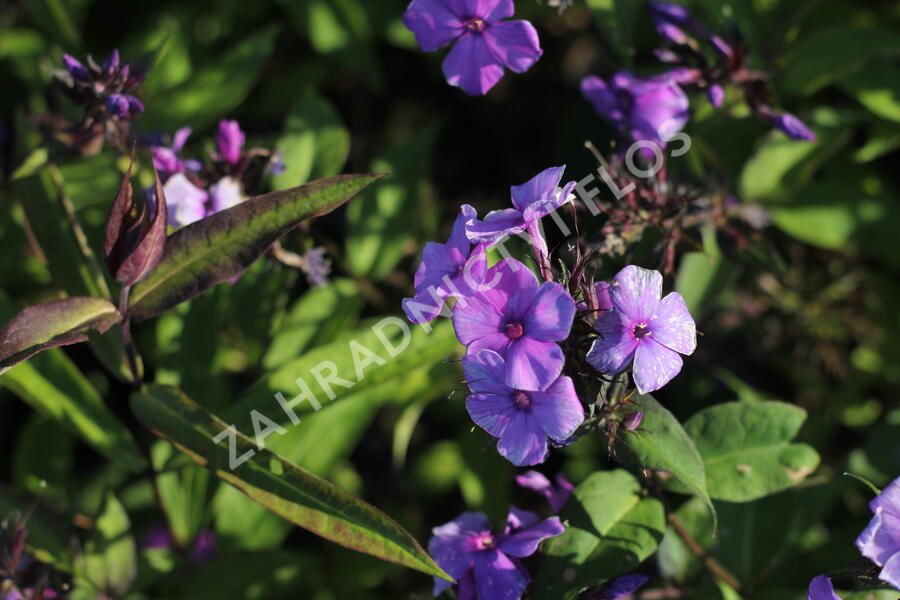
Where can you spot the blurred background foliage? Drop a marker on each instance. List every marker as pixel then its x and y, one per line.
pixel 805 311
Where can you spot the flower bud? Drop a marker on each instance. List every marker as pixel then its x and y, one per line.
pixel 74 67
pixel 230 141
pixel 632 421
pixel 117 105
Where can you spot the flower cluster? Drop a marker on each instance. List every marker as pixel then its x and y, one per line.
pixel 196 189
pixel 484 42
pixel 513 324
pixel 655 108
pixel 22 576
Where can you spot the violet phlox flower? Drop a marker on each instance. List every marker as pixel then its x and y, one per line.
pixel 643 328
pixel 447 270
pixel 522 420
pixel 557 495
pixel 793 127
pixel 230 141
pixel 484 43
pixel 485 563
pixel 623 587
pixel 166 159
pixel 532 200
pixel 651 109
pixel 519 319
pixel 880 541
pixel 820 588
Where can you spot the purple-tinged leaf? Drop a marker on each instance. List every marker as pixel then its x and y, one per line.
pixel 53 324
pixel 220 247
pixel 135 240
pixel 277 484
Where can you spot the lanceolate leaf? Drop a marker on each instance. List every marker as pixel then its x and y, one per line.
pixel 53 324
pixel 222 246
pixel 610 530
pixel 279 485
pixel 747 448
pixel 661 444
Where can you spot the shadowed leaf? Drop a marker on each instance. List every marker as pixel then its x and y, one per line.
pixel 222 246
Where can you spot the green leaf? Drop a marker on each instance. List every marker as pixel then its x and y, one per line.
pixel 382 230
pixel 222 246
pixel 109 558
pixel 316 318
pixel 182 492
pixel 315 142
pixel 662 444
pixel 53 324
pixel 816 61
pixel 610 530
pixel 703 275
pixel 43 460
pixel 747 449
pixel 675 559
pixel 277 484
pixel 877 87
pixel 200 101
pixel 47 534
pixel 33 163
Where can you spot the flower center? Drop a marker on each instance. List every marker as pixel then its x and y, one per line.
pixel 484 542
pixel 514 330
pixel 640 331
pixel 475 24
pixel 523 402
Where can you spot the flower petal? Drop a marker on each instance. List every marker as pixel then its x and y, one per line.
pixel 888 499
pixel 496 225
pixel 614 349
pixel 438 261
pixel 485 373
pixel 458 238
pixel 532 364
pixel 525 542
pixel 492 412
pixel 523 442
pixel 635 292
pixel 451 548
pixel 497 577
pixel 471 66
pixel 660 110
pixel 489 10
pixel 514 44
pixel 603 99
pixel 518 519
pixel 510 286
pixel 540 188
pixel 891 571
pixel 654 365
pixel 475 317
pixel 423 307
pixel 820 588
pixel 549 318
pixel 558 409
pixel 880 540
pixel 673 326
pixel 433 24
pixel 498 342
pixel 467 589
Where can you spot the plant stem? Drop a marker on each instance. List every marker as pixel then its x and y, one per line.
pixel 714 566
pixel 127 340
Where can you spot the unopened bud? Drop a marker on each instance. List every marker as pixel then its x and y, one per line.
pixel 632 421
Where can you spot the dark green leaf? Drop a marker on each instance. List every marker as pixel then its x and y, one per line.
pixel 222 246
pixel 281 486
pixel 109 558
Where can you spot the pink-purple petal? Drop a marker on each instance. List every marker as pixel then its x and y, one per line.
pixel 494 413
pixel 489 10
pixel 891 571
pixel 471 67
pixel 497 342
pixel 497 577
pixel 523 442
pixel 673 326
pixel 539 188
pixel 614 349
pixel 525 543
pixel 423 307
pixel 514 44
pixel 532 364
pixel 458 238
pixel 518 519
pixel 433 24
pixel 485 373
pixel 654 365
pixel 551 314
pixel 474 317
pixel 820 588
pixel 496 226
pixel 635 292
pixel 558 409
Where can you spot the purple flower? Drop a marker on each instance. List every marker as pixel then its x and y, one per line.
pixel 225 193
pixel 520 320
pixel 820 588
pixel 112 61
pixel 623 587
pixel 643 328
pixel 716 95
pixel 135 106
pixel 186 202
pixel 165 159
pixel 522 420
pixel 446 270
pixel 204 547
pixel 646 109
pixel 536 198
pixel 230 141
pixel 793 127
pixel 483 562
pixel 484 43
pixel 316 266
pixel 74 67
pixel 556 495
pixel 880 541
